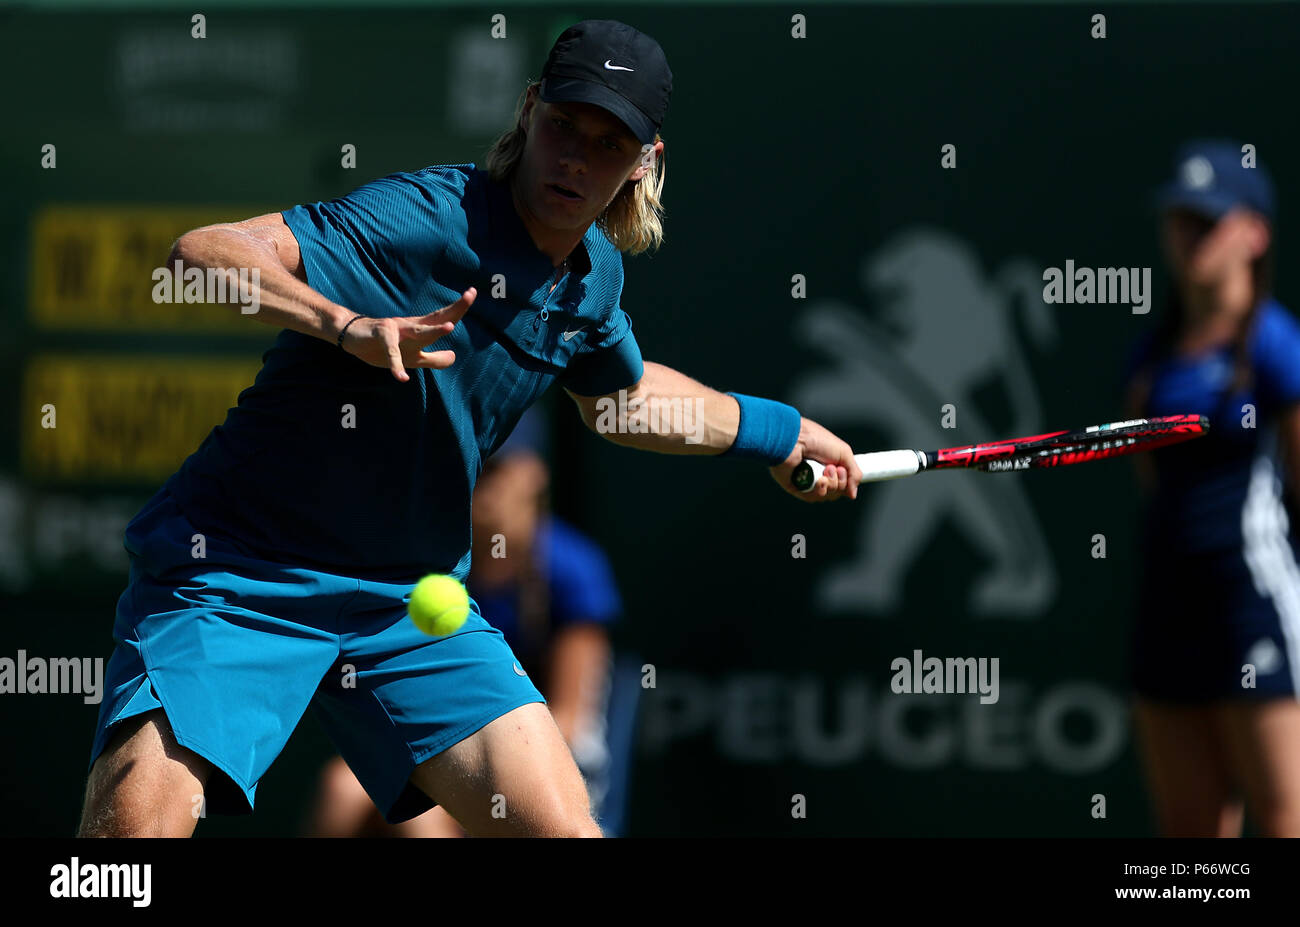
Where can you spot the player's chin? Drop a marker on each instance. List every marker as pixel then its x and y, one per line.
pixel 568 220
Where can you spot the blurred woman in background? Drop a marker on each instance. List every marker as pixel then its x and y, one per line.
pixel 1216 664
pixel 550 590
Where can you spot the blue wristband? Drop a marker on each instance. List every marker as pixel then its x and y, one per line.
pixel 768 430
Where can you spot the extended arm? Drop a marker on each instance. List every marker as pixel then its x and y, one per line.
pixel 284 299
pixel 668 412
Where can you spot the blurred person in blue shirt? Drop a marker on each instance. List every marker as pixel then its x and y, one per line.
pixel 550 590
pixel 1216 661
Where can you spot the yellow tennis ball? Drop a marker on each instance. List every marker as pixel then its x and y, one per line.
pixel 439 605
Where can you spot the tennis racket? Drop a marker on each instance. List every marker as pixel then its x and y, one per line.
pixel 1055 449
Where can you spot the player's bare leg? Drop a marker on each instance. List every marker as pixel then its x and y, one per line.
pixel 1263 744
pixel 515 777
pixel 144 784
pixel 1190 783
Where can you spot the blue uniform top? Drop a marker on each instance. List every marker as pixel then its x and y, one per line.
pixel 1204 487
pixel 578 585
pixel 330 463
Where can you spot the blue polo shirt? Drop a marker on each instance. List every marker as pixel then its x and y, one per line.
pixel 1202 500
pixel 330 463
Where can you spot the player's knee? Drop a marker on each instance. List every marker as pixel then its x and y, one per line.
pixel 584 826
pixel 144 785
pixel 570 816
pixel 140 805
pixel 564 822
pixel 120 812
pixel 113 819
pixel 96 819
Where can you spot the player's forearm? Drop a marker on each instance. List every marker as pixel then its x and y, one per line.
pixel 280 298
pixel 671 413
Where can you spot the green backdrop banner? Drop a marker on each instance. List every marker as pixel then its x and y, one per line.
pixel 858 223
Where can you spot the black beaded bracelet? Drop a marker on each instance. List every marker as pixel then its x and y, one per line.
pixel 345 328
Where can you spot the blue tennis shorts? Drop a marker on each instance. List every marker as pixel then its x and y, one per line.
pixel 234 648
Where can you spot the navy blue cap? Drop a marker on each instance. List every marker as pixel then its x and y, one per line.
pixel 615 67
pixel 1209 179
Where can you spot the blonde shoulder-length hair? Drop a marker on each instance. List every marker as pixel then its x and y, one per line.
pixel 633 222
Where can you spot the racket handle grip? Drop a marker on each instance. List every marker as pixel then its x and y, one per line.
pixel 880 465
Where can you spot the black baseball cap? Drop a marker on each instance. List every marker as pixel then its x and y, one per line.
pixel 615 67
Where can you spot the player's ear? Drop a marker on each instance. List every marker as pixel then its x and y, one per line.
pixel 647 161
pixel 1262 237
pixel 526 111
pixel 541 477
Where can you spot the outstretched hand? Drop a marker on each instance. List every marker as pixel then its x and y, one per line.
pixel 842 473
pixel 396 343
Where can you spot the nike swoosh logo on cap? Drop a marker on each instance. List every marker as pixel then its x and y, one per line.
pixel 569 335
pixel 614 67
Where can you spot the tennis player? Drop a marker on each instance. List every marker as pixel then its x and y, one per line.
pixel 273 570
pixel 1217 635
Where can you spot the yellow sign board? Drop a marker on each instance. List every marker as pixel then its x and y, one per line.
pixel 92 268
pixel 123 419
